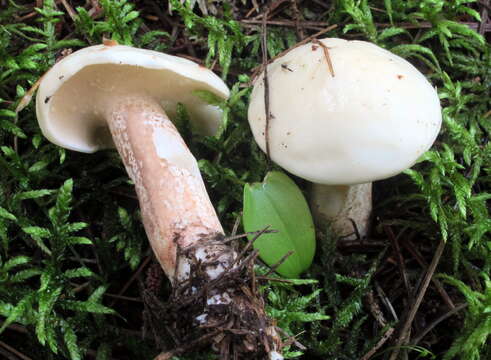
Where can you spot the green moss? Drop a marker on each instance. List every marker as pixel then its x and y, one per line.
pixel 69 225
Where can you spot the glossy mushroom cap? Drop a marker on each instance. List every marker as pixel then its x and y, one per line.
pixel 73 96
pixel 369 121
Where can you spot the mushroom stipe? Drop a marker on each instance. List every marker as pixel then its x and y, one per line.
pixel 234 330
pixel 117 96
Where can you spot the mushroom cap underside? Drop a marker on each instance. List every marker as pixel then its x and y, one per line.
pixel 370 119
pixel 74 95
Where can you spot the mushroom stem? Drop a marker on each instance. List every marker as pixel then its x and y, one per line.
pixel 175 207
pixel 344 207
pixel 182 227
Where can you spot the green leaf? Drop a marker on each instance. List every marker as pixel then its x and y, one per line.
pixel 78 240
pixel 47 300
pixel 6 215
pixel 24 275
pixel 79 272
pixel 17 311
pixel 389 32
pixel 37 231
pixel 14 262
pixel 38 166
pixel 87 306
pixel 74 227
pixel 33 194
pixel 70 339
pixel 60 212
pixel 278 202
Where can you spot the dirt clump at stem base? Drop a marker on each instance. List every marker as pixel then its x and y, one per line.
pixel 225 311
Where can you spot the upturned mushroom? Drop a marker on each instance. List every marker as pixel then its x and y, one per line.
pixel 342 115
pixel 118 96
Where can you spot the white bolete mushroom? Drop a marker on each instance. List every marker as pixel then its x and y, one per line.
pixel 344 114
pixel 110 95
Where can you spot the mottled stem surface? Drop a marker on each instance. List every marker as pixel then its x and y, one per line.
pixel 346 207
pixel 211 300
pixel 175 207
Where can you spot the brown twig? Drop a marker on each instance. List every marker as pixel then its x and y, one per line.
pixel 254 8
pixel 379 344
pixel 126 298
pixel 375 309
pixel 298 23
pixel 132 278
pixel 267 278
pixel 273 268
pixel 14 351
pixel 314 25
pixel 400 260
pixel 260 232
pixel 258 69
pixel 403 338
pixel 484 16
pixel 264 48
pixel 430 327
pixel 184 348
pixel 7 355
pixel 270 9
pixel 408 244
pixel 69 10
pixel 293 339
pixel 386 301
pixel 236 225
pixel 325 49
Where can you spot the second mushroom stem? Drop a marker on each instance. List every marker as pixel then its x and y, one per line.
pixel 346 207
pixel 175 208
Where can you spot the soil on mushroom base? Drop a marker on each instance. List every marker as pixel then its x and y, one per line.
pixel 192 319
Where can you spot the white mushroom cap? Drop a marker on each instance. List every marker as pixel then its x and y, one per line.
pixel 369 121
pixel 73 95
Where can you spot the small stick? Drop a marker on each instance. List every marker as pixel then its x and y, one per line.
pixel 386 301
pixel 264 48
pixel 484 16
pixel 288 23
pixel 247 247
pixel 235 237
pixel 269 9
pixel 403 335
pixel 375 309
pixel 379 344
pixel 267 278
pixel 293 339
pixel 325 49
pixel 121 297
pixel 132 279
pixel 254 8
pixel 400 260
pixel 298 26
pixel 203 339
pixel 281 261
pixel 236 226
pixel 412 249
pixel 69 9
pixel 430 327
pixel 14 351
pixel 258 69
